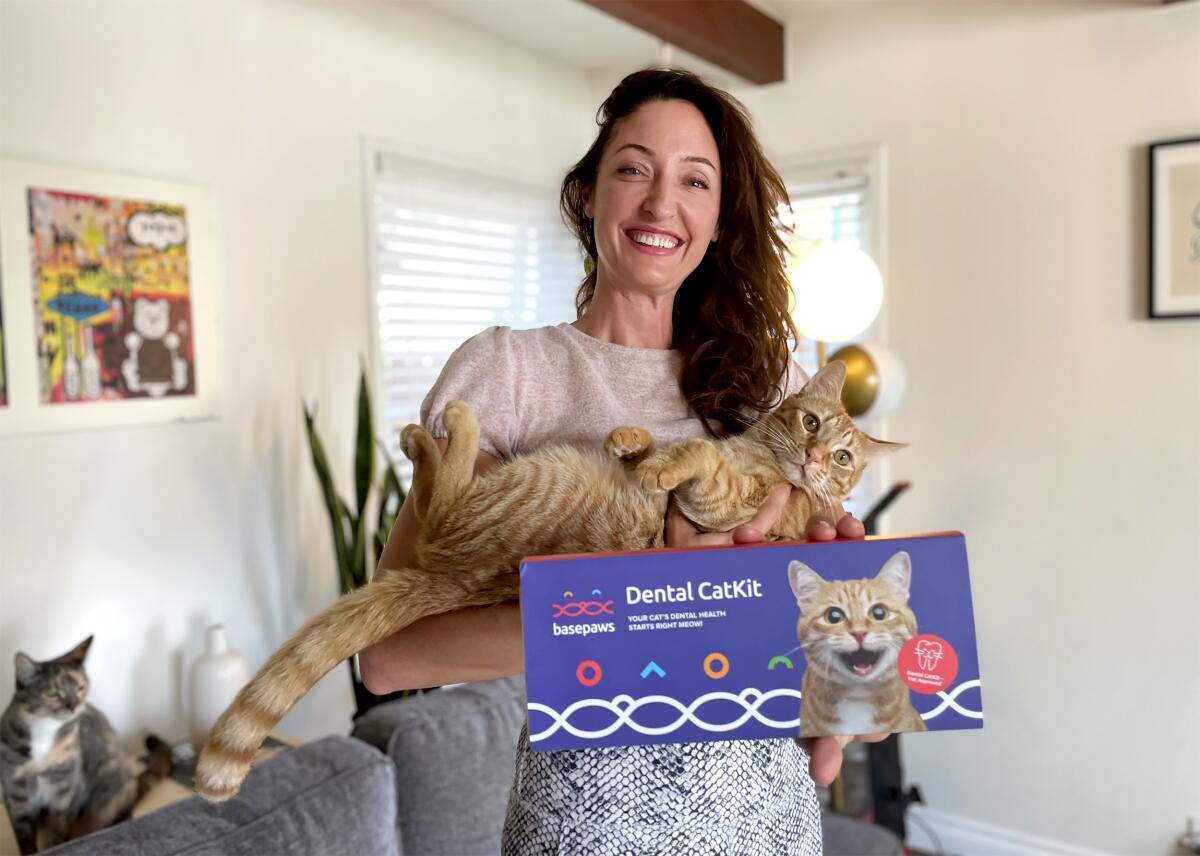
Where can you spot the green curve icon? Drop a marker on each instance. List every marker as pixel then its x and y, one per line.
pixel 775 661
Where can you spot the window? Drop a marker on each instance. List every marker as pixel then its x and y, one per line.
pixel 454 251
pixel 837 200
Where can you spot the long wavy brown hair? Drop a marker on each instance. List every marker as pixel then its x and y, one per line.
pixel 730 317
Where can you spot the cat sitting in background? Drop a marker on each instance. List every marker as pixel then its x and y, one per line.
pixel 851 632
pixel 474 530
pixel 62 770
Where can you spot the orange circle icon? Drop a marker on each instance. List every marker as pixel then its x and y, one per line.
pixel 588 680
pixel 718 671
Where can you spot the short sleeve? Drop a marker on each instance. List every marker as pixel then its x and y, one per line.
pixel 481 372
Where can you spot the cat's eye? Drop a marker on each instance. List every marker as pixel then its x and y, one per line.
pixel 811 423
pixel 879 612
pixel 833 615
pixel 842 457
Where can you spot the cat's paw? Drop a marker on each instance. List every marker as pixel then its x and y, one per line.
pixel 628 443
pixel 412 442
pixel 657 475
pixel 457 416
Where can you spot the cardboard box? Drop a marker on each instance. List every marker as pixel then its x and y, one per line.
pixel 680 646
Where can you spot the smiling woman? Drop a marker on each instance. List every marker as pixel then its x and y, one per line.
pixel 683 329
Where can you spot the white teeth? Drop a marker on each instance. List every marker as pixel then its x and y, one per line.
pixel 654 240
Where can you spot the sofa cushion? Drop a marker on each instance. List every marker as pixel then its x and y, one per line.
pixel 454 751
pixel 331 796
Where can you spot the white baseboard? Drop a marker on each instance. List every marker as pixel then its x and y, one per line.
pixel 961 836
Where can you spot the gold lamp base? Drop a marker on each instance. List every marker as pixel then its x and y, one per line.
pixel 861 388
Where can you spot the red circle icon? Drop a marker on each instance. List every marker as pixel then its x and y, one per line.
pixel 927 664
pixel 582 670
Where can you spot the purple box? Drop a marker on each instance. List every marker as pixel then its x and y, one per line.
pixel 681 646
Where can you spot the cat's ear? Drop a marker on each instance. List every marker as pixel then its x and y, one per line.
pixel 805 583
pixel 26 668
pixel 878 448
pixel 896 574
pixel 79 652
pixel 827 383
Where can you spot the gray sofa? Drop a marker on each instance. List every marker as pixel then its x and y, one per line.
pixel 422 776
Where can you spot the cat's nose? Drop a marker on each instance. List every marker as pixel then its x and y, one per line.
pixel 858 637
pixel 813 457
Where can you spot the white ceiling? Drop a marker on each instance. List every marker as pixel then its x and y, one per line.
pixel 583 38
pixel 574 34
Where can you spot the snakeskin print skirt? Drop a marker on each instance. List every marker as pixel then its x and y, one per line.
pixel 744 797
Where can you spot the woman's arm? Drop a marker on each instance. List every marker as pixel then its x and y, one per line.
pixel 465 645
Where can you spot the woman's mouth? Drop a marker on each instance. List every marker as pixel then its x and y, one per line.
pixel 653 243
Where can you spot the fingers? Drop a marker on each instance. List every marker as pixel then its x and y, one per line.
pixel 824 757
pixel 850 527
pixel 820 529
pixel 825 754
pixel 771 510
pixel 679 532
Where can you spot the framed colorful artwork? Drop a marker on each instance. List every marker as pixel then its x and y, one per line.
pixel 107 294
pixel 1175 229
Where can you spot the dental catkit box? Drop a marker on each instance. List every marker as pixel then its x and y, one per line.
pixel 782 639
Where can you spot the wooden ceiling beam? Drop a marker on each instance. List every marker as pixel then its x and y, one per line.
pixel 729 33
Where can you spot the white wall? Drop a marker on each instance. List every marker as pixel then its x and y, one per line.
pixel 143 536
pixel 1048 421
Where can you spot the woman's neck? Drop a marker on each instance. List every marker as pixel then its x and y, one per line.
pixel 630 319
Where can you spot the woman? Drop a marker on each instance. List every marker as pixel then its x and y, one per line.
pixel 682 330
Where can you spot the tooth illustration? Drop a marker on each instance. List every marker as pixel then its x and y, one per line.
pixel 929 654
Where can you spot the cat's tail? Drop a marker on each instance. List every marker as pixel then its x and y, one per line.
pixel 356 621
pixel 158 764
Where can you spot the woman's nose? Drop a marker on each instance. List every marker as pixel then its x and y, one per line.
pixel 658 204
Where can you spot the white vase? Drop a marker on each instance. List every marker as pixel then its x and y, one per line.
pixel 216 677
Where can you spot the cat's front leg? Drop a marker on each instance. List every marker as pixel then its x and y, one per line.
pixel 691 460
pixel 631 445
pixel 25 830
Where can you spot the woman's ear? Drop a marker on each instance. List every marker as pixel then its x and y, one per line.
pixel 587 205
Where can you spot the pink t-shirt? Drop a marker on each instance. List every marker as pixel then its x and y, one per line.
pixel 530 388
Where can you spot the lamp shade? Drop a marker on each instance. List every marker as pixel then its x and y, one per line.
pixel 837 290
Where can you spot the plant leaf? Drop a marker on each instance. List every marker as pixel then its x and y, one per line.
pixel 333 503
pixel 358 568
pixel 364 447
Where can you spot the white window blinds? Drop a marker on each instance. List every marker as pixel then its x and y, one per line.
pixel 456 251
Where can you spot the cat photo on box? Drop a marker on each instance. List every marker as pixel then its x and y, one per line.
pixel 851 632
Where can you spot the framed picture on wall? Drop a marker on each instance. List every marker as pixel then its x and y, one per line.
pixel 107 294
pixel 1175 229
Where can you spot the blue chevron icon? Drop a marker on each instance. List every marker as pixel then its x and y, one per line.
pixel 596 591
pixel 653 667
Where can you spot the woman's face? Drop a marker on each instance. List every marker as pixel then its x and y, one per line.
pixel 656 198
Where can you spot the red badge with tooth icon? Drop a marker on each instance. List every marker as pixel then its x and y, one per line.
pixel 927 664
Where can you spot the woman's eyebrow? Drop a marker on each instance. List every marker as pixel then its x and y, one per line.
pixel 650 153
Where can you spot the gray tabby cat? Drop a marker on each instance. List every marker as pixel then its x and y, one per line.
pixel 63 773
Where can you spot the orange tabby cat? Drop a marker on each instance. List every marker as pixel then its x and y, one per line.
pixel 851 632
pixel 474 531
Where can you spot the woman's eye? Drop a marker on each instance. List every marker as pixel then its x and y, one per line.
pixel 842 457
pixel 629 170
pixel 811 423
pixel 879 612
pixel 699 183
pixel 833 615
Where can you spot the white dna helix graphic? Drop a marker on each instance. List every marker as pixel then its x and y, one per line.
pixel 624 707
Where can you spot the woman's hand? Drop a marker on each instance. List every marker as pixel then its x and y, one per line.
pixel 825 754
pixel 679 531
pixel 821 527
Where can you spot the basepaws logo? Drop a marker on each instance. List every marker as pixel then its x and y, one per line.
pixel 583 608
